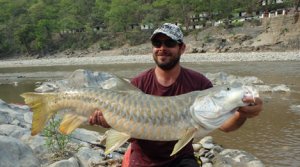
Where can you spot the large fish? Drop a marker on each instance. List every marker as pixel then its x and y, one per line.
pixel 133 114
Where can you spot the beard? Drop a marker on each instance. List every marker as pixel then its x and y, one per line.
pixel 166 64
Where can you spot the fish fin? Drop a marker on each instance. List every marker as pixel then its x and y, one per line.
pixel 70 122
pixel 41 115
pixel 123 85
pixel 114 140
pixel 184 141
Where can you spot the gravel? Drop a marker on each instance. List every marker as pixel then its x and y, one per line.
pixel 204 57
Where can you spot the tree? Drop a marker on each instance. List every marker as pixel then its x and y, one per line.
pixel 180 9
pixel 208 6
pixel 121 14
pixel 294 3
pixel 249 5
pixel 25 36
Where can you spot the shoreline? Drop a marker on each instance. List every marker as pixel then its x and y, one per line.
pixel 121 59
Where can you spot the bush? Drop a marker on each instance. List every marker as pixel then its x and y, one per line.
pixel 255 22
pixel 56 142
pixel 239 23
pixel 5 47
pixel 206 38
pixel 73 47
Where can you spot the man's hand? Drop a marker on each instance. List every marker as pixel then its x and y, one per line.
pixel 252 110
pixel 98 119
pixel 238 119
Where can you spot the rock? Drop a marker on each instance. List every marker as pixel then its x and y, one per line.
pixel 217 78
pixel 207 165
pixel 204 160
pixel 207 140
pixel 197 147
pixel 88 157
pixel 202 152
pixel 72 162
pixel 253 80
pixel 263 88
pixel 296 108
pixel 193 50
pixel 47 87
pixel 15 83
pixel 231 157
pixel 282 88
pixel 207 146
pixel 13 114
pixel 86 135
pixel 14 152
pixel 38 83
pixel 80 79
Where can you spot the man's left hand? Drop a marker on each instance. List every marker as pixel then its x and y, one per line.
pixel 253 109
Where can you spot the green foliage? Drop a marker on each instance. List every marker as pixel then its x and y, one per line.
pixel 104 47
pixel 184 32
pixel 286 30
pixel 5 47
pixel 25 36
pixel 56 142
pixel 195 35
pixel 73 47
pixel 206 38
pixel 233 33
pixel 239 23
pixel 255 22
pixel 220 26
pixel 50 18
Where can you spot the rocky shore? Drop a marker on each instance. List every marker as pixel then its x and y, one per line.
pixel 111 59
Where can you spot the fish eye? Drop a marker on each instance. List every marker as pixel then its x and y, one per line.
pixel 227 88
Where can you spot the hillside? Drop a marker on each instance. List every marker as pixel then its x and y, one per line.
pixel 278 34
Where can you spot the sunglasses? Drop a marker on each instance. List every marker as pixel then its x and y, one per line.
pixel 168 43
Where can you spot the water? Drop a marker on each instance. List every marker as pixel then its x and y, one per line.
pixel 273 136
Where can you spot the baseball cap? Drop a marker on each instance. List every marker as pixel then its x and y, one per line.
pixel 171 30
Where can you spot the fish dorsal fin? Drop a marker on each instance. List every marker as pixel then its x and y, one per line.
pixel 184 141
pixel 70 122
pixel 114 140
pixel 123 85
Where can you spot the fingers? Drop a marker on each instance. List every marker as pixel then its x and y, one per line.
pixel 252 110
pixel 98 119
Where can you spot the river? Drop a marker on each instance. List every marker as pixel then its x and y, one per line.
pixel 273 136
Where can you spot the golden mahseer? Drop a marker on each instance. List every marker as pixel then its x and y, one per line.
pixel 134 114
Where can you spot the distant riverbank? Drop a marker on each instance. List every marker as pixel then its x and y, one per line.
pixel 203 57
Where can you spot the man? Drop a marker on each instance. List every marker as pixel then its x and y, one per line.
pixel 168 78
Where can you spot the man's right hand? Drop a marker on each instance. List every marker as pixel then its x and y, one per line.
pixel 98 119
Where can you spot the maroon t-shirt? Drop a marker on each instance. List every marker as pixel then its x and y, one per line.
pixel 157 153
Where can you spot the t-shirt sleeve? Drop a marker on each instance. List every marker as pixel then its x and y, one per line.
pixel 206 83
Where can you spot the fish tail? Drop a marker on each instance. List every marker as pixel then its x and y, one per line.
pixel 41 113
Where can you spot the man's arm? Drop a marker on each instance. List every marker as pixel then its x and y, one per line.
pixel 238 119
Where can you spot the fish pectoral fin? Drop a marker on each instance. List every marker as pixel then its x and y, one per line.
pixel 114 140
pixel 70 122
pixel 184 141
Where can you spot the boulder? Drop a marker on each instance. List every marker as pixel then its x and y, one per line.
pixel 231 157
pixel 263 88
pixel 79 79
pixel 88 157
pixel 14 114
pixel 281 88
pixel 14 152
pixel 207 140
pixel 72 162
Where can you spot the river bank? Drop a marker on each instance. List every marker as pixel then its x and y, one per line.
pixel 110 59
